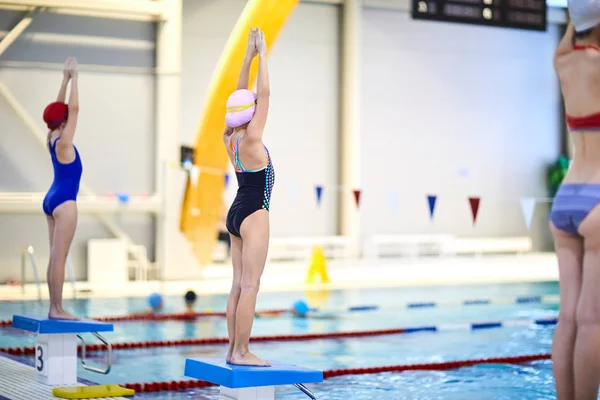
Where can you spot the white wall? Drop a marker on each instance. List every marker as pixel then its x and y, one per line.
pixel 438 98
pixel 115 134
pixel 302 131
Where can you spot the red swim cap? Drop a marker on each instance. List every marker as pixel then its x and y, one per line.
pixel 55 114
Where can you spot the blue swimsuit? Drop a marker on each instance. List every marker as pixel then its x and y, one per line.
pixel 65 185
pixel 254 191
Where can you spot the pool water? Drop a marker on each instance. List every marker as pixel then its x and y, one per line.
pixel 529 381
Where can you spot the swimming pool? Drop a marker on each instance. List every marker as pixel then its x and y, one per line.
pixel 528 381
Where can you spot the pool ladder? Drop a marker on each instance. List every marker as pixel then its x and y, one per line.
pixel 108 355
pixel 28 253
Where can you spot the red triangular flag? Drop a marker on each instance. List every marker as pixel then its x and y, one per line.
pixel 474 202
pixel 357 197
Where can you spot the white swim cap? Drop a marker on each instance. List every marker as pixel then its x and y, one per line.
pixel 585 14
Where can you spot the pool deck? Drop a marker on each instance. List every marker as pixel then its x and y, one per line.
pixel 344 274
pixel 18 381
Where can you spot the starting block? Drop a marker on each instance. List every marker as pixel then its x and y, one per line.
pixel 250 383
pixel 56 346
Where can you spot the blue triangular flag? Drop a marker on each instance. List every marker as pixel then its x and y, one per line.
pixel 528 207
pixel 319 190
pixel 226 177
pixel 431 199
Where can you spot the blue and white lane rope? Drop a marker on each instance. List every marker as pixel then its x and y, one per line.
pixel 478 326
pixel 519 300
pixel 467 326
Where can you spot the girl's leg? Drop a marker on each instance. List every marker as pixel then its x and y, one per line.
pixel 587 343
pixel 255 234
pixel 569 250
pixel 65 222
pixel 236 289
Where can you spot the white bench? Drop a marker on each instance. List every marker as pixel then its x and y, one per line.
pixel 493 245
pixel 410 245
pixel 441 244
pixel 300 248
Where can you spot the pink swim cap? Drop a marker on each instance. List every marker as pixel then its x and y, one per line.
pixel 240 108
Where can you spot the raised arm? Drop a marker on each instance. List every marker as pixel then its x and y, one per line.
pixel 62 93
pixel 251 52
pixel 66 138
pixel 243 80
pixel 263 92
pixel 567 42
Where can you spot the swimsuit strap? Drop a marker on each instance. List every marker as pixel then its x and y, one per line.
pixel 585 47
pixel 236 152
pixel 51 145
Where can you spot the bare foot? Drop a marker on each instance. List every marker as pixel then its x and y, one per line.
pixel 62 314
pixel 248 359
pixel 229 353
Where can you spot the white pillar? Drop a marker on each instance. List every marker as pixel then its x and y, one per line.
pixel 168 122
pixel 349 219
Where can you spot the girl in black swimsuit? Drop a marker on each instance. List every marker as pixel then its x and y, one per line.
pixel 248 217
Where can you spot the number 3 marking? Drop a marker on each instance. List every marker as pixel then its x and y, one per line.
pixel 40 358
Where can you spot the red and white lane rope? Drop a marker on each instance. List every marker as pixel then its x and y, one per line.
pixel 447 365
pixel 472 326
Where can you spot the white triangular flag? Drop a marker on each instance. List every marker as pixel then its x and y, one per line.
pixel 293 191
pixel 394 202
pixel 194 173
pixel 528 207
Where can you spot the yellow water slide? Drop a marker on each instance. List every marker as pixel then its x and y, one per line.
pixel 203 202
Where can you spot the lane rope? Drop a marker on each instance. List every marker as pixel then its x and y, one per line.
pixel 519 300
pixel 161 317
pixel 439 366
pixel 472 326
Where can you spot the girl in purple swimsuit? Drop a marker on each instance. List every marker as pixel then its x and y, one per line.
pixel 575 215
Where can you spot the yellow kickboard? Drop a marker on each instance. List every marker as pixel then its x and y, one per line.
pixel 92 392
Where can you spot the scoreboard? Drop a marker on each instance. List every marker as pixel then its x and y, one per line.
pixel 520 14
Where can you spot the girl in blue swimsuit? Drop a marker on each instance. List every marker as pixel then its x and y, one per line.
pixel 248 217
pixel 60 204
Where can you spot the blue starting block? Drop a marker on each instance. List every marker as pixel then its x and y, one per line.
pixel 56 346
pixel 250 383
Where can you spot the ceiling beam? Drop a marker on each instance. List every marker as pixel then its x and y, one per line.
pixel 15 32
pixel 128 9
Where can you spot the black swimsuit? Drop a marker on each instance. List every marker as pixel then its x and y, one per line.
pixel 254 191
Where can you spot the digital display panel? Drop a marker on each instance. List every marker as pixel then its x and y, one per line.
pixel 519 14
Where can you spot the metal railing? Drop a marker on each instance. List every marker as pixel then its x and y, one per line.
pixel 108 355
pixel 305 390
pixel 29 254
